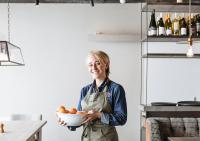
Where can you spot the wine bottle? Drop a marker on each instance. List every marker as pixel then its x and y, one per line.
pixel 161 26
pixel 183 26
pixel 152 25
pixel 157 21
pixel 192 26
pixel 168 25
pixel 187 22
pixel 175 26
pixel 198 25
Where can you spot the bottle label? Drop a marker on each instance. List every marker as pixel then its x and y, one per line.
pixel 183 31
pixel 176 26
pixel 198 27
pixel 161 31
pixel 169 32
pixel 149 32
pixel 153 32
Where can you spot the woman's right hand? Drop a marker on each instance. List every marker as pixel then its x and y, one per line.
pixel 61 122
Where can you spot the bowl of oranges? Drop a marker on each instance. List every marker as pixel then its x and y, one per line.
pixel 71 117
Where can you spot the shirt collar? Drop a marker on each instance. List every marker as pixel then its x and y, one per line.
pixel 101 87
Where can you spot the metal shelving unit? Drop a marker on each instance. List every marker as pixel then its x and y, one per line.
pixel 168 6
pixel 168 39
pixel 160 6
pixel 146 55
pixel 163 6
pixel 170 55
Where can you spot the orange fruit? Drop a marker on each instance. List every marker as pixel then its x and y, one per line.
pixel 72 111
pixel 66 111
pixel 62 109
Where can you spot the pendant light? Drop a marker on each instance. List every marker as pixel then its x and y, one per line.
pixel 189 41
pixel 10 54
pixel 190 52
pixel 122 1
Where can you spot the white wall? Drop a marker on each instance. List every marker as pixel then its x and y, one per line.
pixel 172 80
pixel 54 42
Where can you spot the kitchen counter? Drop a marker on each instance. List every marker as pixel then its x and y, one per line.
pixel 21 130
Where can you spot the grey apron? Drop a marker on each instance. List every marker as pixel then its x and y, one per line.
pixel 96 130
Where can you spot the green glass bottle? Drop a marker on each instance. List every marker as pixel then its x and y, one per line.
pixel 152 25
pixel 161 26
pixel 193 26
pixel 168 25
pixel 175 26
pixel 198 25
pixel 183 26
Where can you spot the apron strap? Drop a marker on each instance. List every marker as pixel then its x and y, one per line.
pixel 105 89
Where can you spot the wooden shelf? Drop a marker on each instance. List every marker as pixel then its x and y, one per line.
pixel 168 39
pixel 114 37
pixel 170 55
pixel 160 6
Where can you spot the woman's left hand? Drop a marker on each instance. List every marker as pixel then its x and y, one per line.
pixel 92 115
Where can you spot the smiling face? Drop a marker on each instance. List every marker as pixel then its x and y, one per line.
pixel 96 67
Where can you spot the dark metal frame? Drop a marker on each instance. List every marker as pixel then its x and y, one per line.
pixel 69 1
pixel 14 63
pixel 162 7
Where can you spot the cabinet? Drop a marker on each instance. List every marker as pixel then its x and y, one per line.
pixel 166 53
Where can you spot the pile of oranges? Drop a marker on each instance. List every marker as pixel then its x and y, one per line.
pixel 64 110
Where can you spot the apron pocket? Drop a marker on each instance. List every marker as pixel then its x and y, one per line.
pixel 103 134
pixel 109 133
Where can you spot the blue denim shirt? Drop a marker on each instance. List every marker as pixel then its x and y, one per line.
pixel 117 100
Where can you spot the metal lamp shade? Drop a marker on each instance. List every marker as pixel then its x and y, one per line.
pixel 10 55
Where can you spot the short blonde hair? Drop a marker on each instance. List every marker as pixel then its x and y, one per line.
pixel 102 57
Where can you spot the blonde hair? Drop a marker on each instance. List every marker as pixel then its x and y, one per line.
pixel 102 57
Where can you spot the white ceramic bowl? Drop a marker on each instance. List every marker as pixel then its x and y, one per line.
pixel 71 119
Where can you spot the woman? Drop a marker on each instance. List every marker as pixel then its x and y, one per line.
pixel 104 99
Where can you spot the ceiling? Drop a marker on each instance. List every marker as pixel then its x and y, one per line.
pixel 68 1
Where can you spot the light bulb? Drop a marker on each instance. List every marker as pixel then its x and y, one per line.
pixel 179 1
pixel 190 52
pixel 122 1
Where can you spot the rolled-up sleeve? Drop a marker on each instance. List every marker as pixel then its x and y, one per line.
pixel 79 108
pixel 119 108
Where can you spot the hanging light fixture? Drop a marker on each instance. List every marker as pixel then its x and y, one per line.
pixel 10 54
pixel 189 41
pixel 190 52
pixel 122 1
